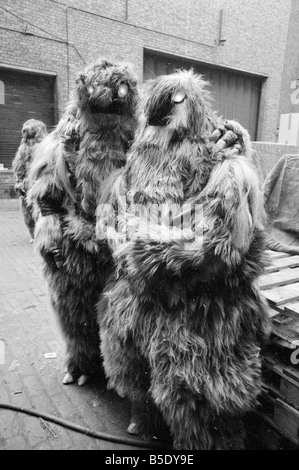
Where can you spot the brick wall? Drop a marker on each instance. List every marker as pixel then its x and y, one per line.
pixel 256 35
pixel 291 64
pixel 7 182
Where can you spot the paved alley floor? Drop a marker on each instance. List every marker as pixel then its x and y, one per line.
pixel 29 332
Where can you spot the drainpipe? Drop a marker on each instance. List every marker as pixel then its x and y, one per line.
pixel 68 51
pixel 221 39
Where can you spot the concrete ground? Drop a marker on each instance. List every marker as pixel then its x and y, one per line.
pixel 28 332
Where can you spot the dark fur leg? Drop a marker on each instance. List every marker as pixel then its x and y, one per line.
pixel 194 425
pixel 129 376
pixel 75 313
pixel 83 359
pixel 126 370
pixel 189 421
pixel 147 421
pixel 229 433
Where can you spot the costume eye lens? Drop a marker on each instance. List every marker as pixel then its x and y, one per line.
pixel 179 97
pixel 123 90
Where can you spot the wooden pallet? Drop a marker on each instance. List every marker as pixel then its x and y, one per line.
pixel 282 417
pixel 280 286
pixel 280 399
pixel 281 380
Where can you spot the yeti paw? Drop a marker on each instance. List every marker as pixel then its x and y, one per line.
pixel 121 393
pixel 119 390
pixel 133 429
pixel 109 386
pixel 82 380
pixel 68 379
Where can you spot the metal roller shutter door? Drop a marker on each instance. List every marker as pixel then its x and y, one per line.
pixel 236 95
pixel 27 96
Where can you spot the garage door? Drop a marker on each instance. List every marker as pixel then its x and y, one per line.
pixel 23 96
pixel 236 95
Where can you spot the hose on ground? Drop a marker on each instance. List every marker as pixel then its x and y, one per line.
pixel 128 441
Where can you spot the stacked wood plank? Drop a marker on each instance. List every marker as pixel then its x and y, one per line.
pixel 280 398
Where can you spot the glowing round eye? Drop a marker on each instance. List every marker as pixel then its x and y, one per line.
pixel 123 90
pixel 90 90
pixel 179 97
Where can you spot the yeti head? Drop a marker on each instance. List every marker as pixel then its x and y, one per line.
pixel 106 87
pixel 175 102
pixel 33 130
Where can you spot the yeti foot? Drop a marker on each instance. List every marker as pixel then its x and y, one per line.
pixel 136 429
pixel 120 391
pixel 82 380
pixel 68 379
pixel 133 429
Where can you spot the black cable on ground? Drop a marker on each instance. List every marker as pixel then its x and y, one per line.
pixel 128 441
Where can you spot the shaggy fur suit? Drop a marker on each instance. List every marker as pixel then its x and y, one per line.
pixel 89 143
pixel 181 319
pixel 33 132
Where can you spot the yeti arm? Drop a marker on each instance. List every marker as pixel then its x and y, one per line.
pixel 232 211
pixel 19 169
pixel 229 212
pixel 47 210
pixel 47 197
pixel 108 217
pixel 18 164
pixel 111 210
pixel 81 232
pixel 60 193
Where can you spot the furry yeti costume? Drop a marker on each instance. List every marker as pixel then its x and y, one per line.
pixel 90 141
pixel 33 132
pixel 181 319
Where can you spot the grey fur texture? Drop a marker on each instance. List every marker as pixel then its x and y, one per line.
pixel 89 143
